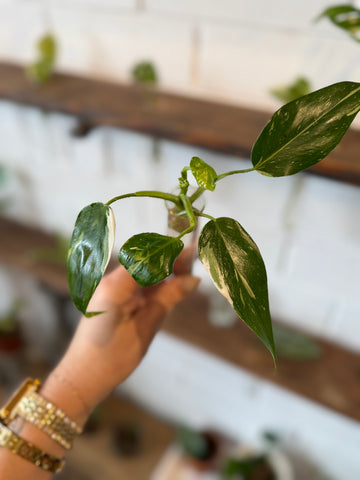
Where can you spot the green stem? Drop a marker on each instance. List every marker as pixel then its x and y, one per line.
pixel 234 172
pixel 205 215
pixel 197 194
pixel 183 181
pixel 148 193
pixel 189 213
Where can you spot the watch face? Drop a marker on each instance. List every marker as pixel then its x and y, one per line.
pixel 8 412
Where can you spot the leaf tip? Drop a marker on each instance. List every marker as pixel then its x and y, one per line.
pixel 93 314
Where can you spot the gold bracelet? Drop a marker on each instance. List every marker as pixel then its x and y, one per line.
pixel 32 407
pixel 28 451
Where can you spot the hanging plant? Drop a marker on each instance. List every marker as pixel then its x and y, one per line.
pixel 144 73
pixel 287 93
pixel 345 17
pixel 42 69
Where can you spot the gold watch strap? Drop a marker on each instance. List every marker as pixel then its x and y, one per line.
pixel 46 416
pixel 28 451
pixel 32 407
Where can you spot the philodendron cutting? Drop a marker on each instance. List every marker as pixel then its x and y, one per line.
pixel 299 134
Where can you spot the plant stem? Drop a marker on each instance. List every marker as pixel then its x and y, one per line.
pixel 205 215
pixel 149 193
pixel 234 172
pixel 197 194
pixel 183 181
pixel 189 213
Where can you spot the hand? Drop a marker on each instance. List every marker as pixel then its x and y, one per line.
pixel 103 352
pixel 106 348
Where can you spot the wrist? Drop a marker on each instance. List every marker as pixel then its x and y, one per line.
pixel 68 395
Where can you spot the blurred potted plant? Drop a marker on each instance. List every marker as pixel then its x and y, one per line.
pixel 267 463
pixel 203 449
pixel 144 74
pixel 287 93
pixel 42 69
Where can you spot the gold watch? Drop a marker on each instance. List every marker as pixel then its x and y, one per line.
pixel 32 407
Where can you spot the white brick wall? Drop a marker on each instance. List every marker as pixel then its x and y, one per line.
pixel 21 23
pixel 109 44
pixel 278 13
pixel 242 63
pixel 113 4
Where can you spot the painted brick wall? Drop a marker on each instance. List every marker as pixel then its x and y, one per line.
pixel 306 227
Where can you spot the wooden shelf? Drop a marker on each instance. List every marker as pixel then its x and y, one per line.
pixel 219 127
pixel 332 380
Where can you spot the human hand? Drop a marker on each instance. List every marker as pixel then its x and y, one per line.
pixel 106 348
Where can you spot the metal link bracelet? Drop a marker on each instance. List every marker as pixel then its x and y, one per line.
pixel 28 451
pixel 32 407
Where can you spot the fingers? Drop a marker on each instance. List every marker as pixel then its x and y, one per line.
pixel 116 288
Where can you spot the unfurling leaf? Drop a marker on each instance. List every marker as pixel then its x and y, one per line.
pixel 235 265
pixel 204 174
pixel 346 17
pixel 149 257
pixel 89 252
pixel 303 132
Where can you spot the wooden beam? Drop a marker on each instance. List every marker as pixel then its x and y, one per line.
pixel 212 125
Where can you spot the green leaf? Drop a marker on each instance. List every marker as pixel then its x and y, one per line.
pixel 47 47
pixel 194 443
pixel 235 265
pixel 304 131
pixel 89 252
pixel 345 17
pixel 301 86
pixel 149 257
pixel 41 70
pixel 145 73
pixel 204 174
pixel 245 468
pixel 295 345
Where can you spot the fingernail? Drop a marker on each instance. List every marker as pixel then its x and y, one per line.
pixel 189 283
